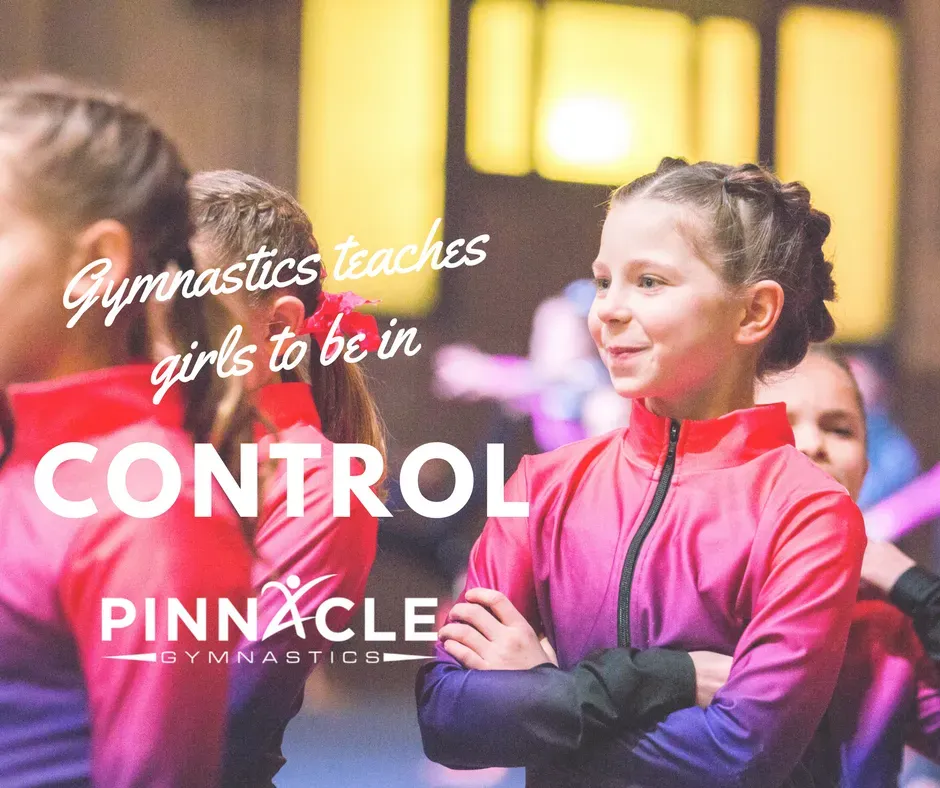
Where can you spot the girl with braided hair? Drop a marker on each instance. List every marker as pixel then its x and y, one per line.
pixel 697 528
pixel 85 176
pixel 235 214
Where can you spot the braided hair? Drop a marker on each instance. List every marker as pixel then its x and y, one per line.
pixel 79 155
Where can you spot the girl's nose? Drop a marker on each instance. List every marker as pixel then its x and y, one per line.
pixel 613 308
pixel 809 440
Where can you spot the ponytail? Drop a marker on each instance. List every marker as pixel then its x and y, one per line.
pixel 348 412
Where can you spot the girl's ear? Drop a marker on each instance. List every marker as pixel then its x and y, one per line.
pixel 763 303
pixel 287 312
pixel 104 239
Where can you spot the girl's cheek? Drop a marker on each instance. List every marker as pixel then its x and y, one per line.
pixel 594 327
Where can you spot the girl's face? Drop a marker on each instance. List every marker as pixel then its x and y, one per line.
pixel 663 319
pixel 827 422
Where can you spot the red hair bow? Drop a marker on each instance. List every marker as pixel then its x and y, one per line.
pixel 329 305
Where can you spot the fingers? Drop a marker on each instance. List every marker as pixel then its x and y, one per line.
pixel 465 635
pixel 498 603
pixel 481 619
pixel 465 656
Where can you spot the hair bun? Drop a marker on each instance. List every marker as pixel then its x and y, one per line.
pixel 818 226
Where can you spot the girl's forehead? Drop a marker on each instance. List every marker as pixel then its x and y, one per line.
pixel 642 228
pixel 816 379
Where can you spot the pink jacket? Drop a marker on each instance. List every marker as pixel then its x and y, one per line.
pixel 715 535
pixel 70 712
pixel 267 692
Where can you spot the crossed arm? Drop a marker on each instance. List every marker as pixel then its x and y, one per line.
pixel 530 713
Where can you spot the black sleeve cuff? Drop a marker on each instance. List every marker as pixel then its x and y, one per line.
pixel 914 590
pixel 626 688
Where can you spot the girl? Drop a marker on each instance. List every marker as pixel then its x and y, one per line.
pixel 235 215
pixel 699 527
pixel 84 176
pixel 888 693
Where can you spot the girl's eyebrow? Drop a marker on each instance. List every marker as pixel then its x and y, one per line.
pixel 639 261
pixel 838 413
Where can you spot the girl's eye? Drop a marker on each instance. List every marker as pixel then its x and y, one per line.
pixel 647 282
pixel 601 282
pixel 846 432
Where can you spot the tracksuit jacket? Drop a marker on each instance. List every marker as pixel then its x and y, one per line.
pixel 662 538
pixel 71 713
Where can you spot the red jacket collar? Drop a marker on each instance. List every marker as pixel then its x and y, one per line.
pixel 283 405
pixel 732 439
pixel 85 405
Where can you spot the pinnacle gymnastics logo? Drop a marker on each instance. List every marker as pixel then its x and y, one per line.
pixel 119 613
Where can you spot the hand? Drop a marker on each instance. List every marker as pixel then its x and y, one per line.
pixel 711 674
pixel 486 632
pixel 883 564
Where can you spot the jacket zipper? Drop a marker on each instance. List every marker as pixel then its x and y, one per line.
pixel 629 564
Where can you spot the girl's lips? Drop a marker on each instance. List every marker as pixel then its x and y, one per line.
pixel 620 352
pixel 621 359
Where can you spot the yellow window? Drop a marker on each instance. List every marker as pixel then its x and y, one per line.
pixel 373 124
pixel 615 91
pixel 728 90
pixel 499 86
pixel 837 131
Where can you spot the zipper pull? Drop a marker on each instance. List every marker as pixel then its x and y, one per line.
pixel 673 440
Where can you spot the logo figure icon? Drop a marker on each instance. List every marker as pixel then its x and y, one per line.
pixel 292 592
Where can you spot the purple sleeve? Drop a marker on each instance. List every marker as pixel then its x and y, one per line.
pixel 154 723
pixel 476 718
pixel 473 718
pixel 906 509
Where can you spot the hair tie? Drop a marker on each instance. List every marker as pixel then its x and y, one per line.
pixel 351 323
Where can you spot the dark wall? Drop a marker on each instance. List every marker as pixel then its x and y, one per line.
pixel 220 76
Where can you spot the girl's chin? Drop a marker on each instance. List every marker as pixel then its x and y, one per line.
pixel 630 387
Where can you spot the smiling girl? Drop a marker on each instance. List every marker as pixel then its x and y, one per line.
pixel 698 527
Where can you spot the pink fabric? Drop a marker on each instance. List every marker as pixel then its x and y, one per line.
pixel 141 723
pixel 888 695
pixel 756 552
pixel 311 546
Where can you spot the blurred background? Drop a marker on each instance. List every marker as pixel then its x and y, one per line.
pixel 514 118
